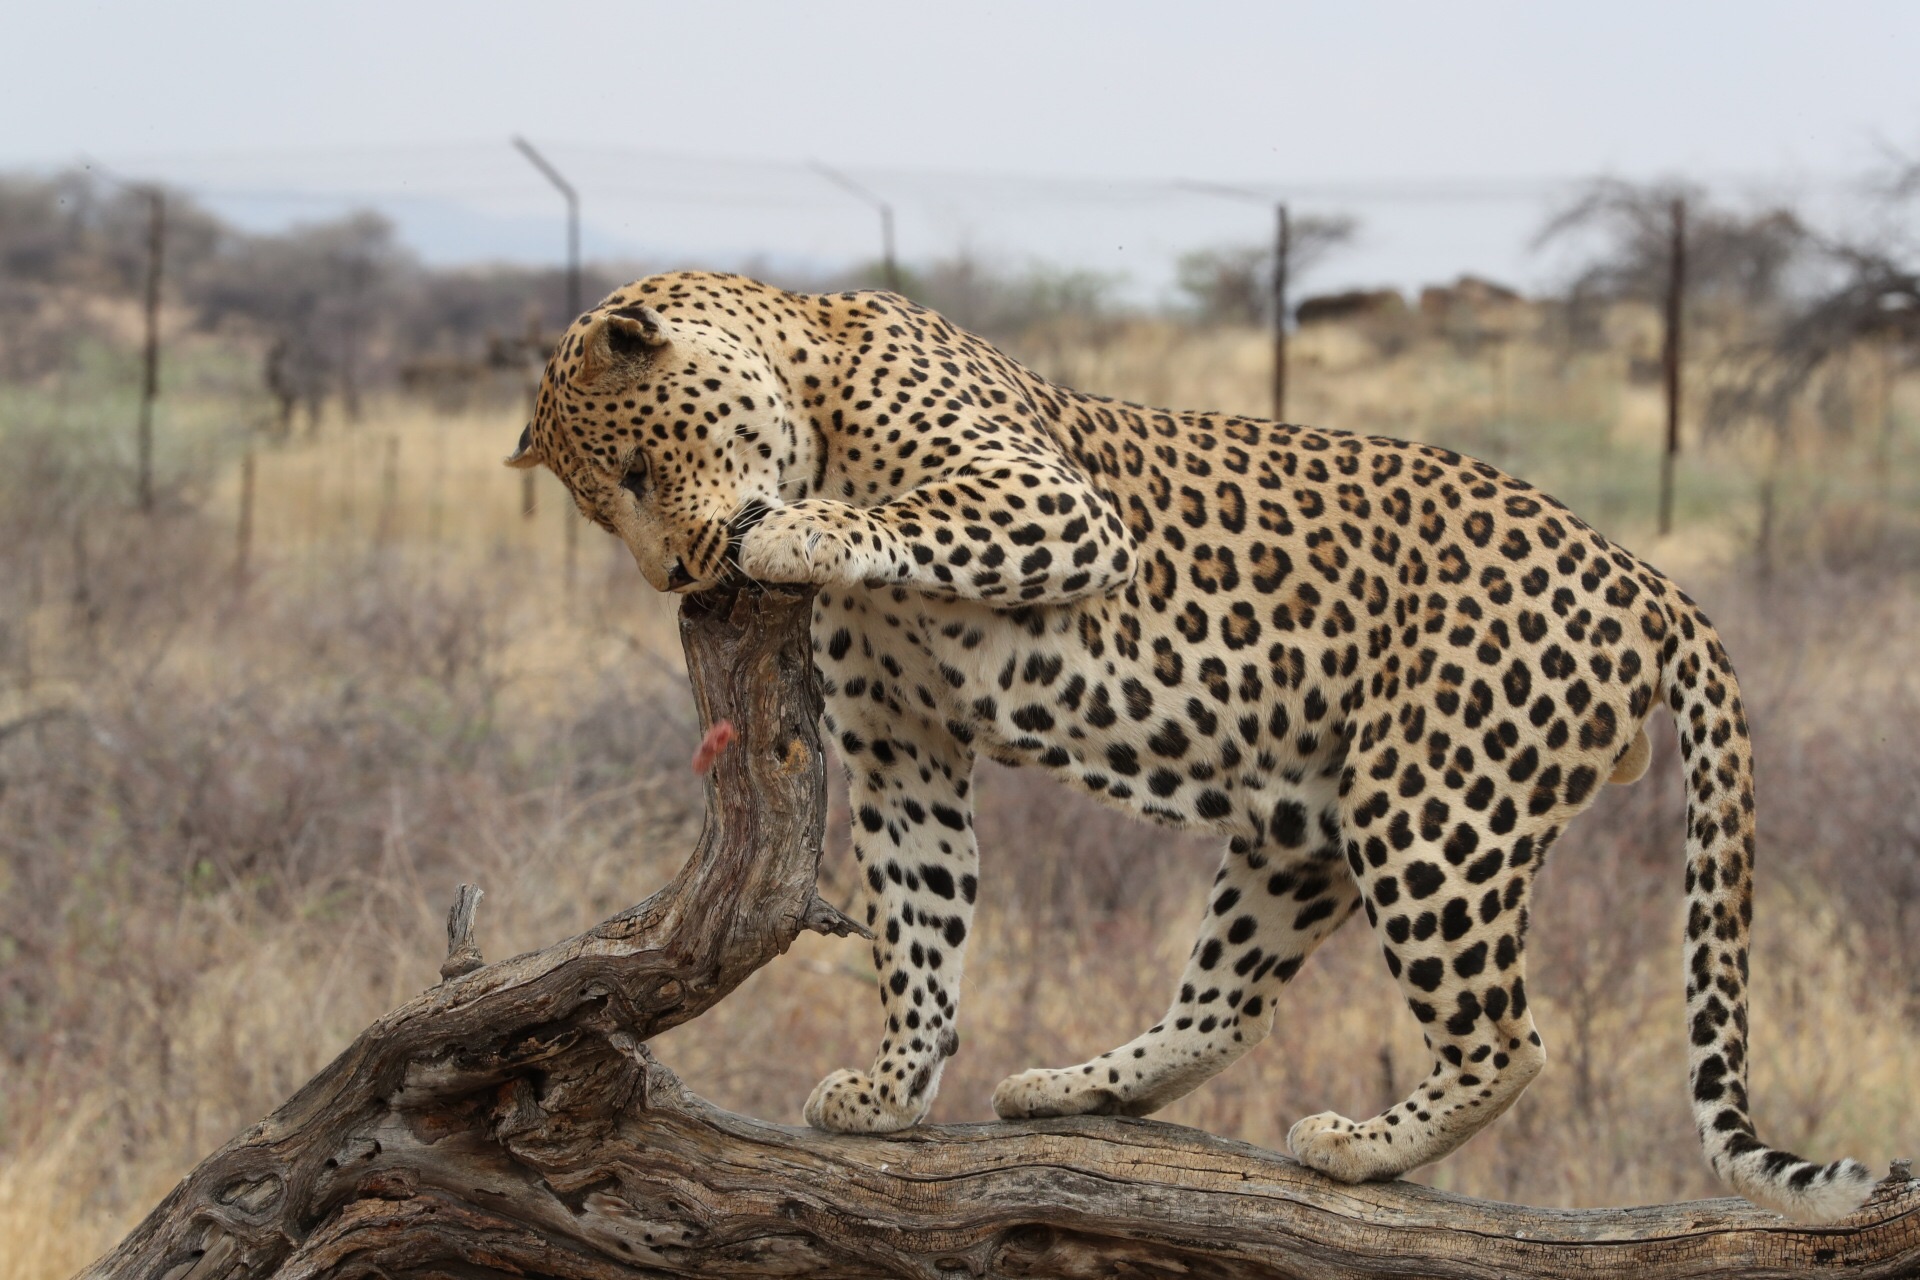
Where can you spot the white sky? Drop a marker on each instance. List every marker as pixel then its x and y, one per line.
pixel 1039 130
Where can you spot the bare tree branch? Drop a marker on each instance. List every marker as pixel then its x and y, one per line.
pixel 1746 259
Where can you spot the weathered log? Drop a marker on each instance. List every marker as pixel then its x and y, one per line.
pixel 510 1121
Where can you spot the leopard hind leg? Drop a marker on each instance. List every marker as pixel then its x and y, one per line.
pixel 1451 915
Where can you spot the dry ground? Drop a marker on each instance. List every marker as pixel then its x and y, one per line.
pixel 233 807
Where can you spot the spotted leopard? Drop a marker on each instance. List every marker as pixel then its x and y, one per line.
pixel 1388 675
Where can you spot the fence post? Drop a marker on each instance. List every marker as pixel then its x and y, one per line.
pixel 243 533
pixel 1670 359
pixel 529 496
pixel 150 384
pixel 888 264
pixel 384 523
pixel 1282 244
pixel 892 264
pixel 572 198
pixel 573 523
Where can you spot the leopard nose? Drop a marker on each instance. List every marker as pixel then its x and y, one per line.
pixel 678 577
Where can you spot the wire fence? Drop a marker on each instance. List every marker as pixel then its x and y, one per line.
pixel 480 201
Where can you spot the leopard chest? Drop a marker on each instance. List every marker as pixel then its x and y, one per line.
pixel 1120 707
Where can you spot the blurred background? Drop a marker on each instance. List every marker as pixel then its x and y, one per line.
pixel 285 655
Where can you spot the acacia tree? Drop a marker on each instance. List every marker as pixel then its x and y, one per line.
pixel 73 234
pixel 319 293
pixel 1736 261
pixel 1665 243
pixel 1862 296
pixel 1233 284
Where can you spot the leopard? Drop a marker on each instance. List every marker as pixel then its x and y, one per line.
pixel 1385 674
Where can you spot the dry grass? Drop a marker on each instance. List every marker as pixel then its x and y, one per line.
pixel 231 815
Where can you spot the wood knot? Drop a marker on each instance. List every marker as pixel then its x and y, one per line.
pixel 1031 1238
pixel 252 1195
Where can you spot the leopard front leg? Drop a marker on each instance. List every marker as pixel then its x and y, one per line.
pixel 913 840
pixel 1055 540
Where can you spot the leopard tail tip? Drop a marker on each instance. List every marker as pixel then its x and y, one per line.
pixel 1825 1194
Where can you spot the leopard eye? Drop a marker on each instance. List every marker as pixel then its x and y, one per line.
pixel 635 481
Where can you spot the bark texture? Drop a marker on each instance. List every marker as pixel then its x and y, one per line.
pixel 510 1122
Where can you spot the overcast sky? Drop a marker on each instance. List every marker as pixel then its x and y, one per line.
pixel 688 126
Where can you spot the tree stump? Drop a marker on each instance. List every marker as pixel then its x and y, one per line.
pixel 510 1121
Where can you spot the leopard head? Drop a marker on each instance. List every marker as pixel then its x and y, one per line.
pixel 671 433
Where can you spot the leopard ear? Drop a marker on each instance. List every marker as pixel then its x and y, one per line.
pixel 635 330
pixel 622 337
pixel 523 455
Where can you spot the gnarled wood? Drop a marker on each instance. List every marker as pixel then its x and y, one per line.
pixel 510 1122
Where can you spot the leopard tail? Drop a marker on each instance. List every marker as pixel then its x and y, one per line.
pixel 1698 684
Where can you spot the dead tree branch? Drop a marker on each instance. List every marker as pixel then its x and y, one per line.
pixel 510 1122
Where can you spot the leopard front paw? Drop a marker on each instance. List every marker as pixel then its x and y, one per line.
pixel 793 544
pixel 1036 1095
pixel 849 1102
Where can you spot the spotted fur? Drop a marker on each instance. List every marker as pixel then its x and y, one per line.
pixel 1388 675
